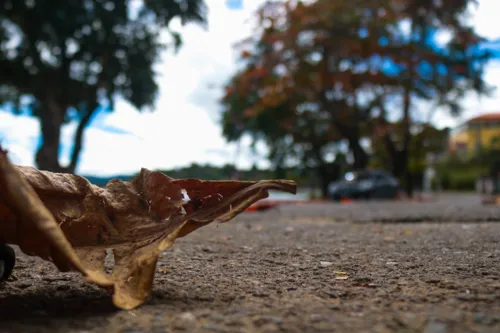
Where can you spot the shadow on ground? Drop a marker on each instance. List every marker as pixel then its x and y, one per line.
pixel 50 302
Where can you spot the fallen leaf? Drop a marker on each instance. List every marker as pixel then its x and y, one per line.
pixel 65 219
pixel 341 275
pixel 406 232
pixel 163 270
pixel 246 248
pixel 389 239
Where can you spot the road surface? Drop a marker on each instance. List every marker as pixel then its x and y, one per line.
pixel 317 268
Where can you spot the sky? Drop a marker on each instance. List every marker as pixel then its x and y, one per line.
pixel 183 128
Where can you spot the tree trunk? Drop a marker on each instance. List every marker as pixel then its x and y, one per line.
pixel 51 121
pixel 47 156
pixel 324 182
pixel 397 160
pixel 78 139
pixel 359 154
pixel 325 178
pixel 405 153
pixel 325 172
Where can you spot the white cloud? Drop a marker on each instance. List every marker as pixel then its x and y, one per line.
pixel 484 17
pixel 183 128
pixel 474 105
pixel 19 135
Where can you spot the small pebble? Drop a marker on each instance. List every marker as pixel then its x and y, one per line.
pixel 325 263
pixel 434 326
pixel 260 293
pixel 188 316
pixel 362 279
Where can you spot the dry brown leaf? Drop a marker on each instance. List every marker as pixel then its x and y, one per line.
pixel 339 275
pixel 407 232
pixel 76 225
pixel 389 239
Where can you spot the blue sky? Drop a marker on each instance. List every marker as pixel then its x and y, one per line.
pixel 183 128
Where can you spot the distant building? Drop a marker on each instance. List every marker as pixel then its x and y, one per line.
pixel 478 132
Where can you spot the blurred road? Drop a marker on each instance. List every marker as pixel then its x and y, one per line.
pixel 447 207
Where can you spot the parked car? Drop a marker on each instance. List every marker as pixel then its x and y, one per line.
pixel 365 184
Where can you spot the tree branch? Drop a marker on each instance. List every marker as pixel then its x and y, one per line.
pixel 14 74
pixel 78 140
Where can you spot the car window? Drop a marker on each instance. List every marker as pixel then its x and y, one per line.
pixel 381 177
pixel 359 176
pixel 376 176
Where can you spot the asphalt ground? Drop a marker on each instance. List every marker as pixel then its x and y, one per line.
pixel 424 267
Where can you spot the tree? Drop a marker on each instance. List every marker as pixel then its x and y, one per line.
pixel 354 63
pixel 72 59
pixel 426 71
pixel 304 88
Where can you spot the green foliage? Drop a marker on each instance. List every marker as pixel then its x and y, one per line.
pixel 460 174
pixel 460 179
pixel 426 139
pixel 229 171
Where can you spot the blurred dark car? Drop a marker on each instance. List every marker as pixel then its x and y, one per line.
pixel 365 184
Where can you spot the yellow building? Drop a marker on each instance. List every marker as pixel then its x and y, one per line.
pixel 476 133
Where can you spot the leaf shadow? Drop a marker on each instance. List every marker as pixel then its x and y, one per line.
pixel 49 302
